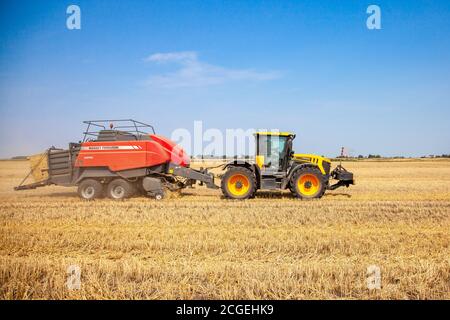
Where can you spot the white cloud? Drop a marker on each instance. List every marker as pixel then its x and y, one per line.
pixel 194 73
pixel 183 56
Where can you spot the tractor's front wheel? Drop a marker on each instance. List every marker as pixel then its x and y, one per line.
pixel 238 183
pixel 308 183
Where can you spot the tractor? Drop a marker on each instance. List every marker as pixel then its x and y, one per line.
pixel 277 167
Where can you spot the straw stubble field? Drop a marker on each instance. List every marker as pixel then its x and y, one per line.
pixel 199 246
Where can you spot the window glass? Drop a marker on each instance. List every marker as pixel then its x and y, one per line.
pixel 271 147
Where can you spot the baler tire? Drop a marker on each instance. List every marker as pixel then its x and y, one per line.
pixel 318 182
pixel 246 175
pixel 90 189
pixel 120 189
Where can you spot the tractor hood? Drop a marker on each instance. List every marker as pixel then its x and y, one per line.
pixel 323 163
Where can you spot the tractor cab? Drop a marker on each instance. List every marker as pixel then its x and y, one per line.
pixel 274 154
pixel 273 151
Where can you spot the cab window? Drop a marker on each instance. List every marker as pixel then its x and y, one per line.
pixel 272 148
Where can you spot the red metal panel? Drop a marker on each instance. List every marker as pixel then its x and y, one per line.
pixel 177 154
pixel 121 155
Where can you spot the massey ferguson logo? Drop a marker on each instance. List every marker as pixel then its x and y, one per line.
pixel 95 148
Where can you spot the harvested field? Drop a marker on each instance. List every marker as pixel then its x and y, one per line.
pixel 198 245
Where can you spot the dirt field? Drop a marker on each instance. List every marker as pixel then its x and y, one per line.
pixel 200 246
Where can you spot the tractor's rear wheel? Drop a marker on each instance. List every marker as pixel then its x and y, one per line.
pixel 238 183
pixel 90 189
pixel 119 189
pixel 308 183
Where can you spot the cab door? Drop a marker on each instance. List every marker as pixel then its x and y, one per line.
pixel 270 152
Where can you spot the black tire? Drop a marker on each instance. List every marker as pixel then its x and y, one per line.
pixel 316 181
pixel 119 189
pixel 291 189
pixel 250 181
pixel 90 189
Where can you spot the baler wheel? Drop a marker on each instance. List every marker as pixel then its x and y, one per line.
pixel 119 189
pixel 90 189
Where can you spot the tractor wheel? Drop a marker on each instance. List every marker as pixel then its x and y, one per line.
pixel 119 189
pixel 90 189
pixel 308 183
pixel 238 183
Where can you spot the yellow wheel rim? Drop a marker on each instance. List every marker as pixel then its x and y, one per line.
pixel 238 185
pixel 308 184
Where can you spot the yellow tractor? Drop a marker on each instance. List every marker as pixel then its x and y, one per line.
pixel 277 167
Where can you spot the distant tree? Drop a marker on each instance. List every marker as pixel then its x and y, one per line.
pixel 19 158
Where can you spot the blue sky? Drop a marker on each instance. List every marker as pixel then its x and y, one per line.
pixel 311 67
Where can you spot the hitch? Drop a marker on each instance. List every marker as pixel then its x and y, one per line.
pixel 202 176
pixel 32 185
pixel 344 177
